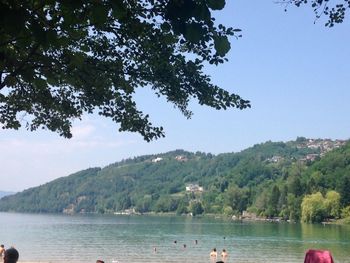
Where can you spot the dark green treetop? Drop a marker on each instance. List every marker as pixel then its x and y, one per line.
pixel 61 59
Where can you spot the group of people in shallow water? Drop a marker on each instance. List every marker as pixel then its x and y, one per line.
pixel 9 255
pixel 214 255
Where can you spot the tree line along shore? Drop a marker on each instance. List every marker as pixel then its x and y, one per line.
pixel 304 179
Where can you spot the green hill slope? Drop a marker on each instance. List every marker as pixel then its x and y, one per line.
pixel 5 193
pixel 269 179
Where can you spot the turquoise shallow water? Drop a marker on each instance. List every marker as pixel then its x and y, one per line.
pixel 85 238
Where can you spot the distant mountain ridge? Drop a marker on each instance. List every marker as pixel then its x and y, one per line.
pixel 5 193
pixel 230 182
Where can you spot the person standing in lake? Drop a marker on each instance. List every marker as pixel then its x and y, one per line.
pixel 213 254
pixel 11 255
pixel 2 250
pixel 224 255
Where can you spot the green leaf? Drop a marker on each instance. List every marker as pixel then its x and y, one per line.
pixel 39 32
pixel 118 10
pixel 10 81
pixel 222 45
pixel 78 60
pixel 40 83
pixel 15 19
pixel 202 12
pixel 165 27
pixel 51 38
pixel 194 32
pixel 99 14
pixel 216 4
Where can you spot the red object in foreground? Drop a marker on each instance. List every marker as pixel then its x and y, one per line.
pixel 318 256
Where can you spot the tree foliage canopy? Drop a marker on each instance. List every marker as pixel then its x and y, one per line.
pixel 316 208
pixel 335 11
pixel 60 59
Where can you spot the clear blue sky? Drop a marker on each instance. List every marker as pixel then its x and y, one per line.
pixel 296 74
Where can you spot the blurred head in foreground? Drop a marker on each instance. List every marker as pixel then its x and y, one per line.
pixel 11 255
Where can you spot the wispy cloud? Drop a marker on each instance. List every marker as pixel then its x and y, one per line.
pixel 57 146
pixel 83 131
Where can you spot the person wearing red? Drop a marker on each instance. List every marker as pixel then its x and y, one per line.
pixel 318 256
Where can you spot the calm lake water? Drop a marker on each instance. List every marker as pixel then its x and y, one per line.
pixel 85 238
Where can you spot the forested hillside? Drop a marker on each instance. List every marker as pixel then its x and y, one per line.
pixel 5 193
pixel 303 179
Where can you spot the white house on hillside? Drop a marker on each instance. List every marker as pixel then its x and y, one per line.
pixel 194 188
pixel 156 160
